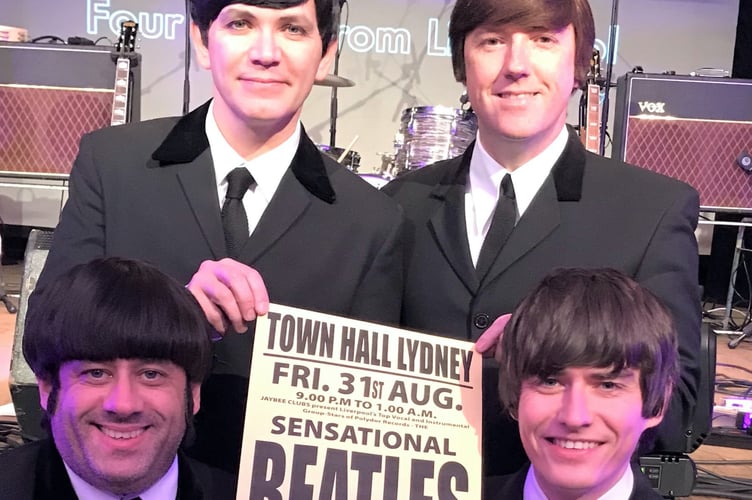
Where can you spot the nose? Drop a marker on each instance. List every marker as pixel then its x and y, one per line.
pixel 574 410
pixel 517 57
pixel 265 50
pixel 123 397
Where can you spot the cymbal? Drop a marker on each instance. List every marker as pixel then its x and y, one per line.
pixel 334 81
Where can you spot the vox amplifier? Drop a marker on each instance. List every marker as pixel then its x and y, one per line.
pixel 50 95
pixel 695 129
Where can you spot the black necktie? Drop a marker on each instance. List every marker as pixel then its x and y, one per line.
pixel 234 219
pixel 502 223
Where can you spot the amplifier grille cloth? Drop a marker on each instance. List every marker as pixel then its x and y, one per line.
pixel 40 127
pixel 700 153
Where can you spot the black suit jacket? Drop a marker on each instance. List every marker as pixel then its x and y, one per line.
pixel 328 241
pixel 590 212
pixel 35 471
pixel 512 486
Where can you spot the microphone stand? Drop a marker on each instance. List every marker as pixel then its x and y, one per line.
pixel 187 61
pixel 333 111
pixel 609 72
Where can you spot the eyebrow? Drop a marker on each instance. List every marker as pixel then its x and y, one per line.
pixel 624 373
pixel 234 10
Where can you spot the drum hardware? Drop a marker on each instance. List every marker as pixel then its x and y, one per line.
pixel 334 81
pixel 374 179
pixel 464 99
pixel 386 168
pixel 349 158
pixel 348 149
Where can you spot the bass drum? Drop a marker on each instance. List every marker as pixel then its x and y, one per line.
pixel 433 133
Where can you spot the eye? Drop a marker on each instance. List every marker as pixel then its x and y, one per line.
pixel 94 375
pixel 491 41
pixel 546 383
pixel 545 39
pixel 152 375
pixel 610 385
pixel 296 29
pixel 237 24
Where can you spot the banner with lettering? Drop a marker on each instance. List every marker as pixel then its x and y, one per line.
pixel 344 409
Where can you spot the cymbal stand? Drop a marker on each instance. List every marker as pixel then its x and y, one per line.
pixel 333 111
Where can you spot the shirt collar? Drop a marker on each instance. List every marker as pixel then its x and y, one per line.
pixel 267 169
pixel 619 491
pixel 486 173
pixel 166 487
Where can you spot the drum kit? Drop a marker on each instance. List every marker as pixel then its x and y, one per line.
pixel 426 135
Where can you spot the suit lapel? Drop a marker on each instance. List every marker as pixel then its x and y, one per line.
pixel 543 216
pixel 197 180
pixel 188 485
pixel 305 179
pixel 186 149
pixel 447 224
pixel 52 479
pixel 288 204
pixel 538 221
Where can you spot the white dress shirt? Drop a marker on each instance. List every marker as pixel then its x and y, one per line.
pixel 619 491
pixel 164 489
pixel 267 169
pixel 484 180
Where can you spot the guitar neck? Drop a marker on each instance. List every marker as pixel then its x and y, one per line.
pixel 120 97
pixel 591 135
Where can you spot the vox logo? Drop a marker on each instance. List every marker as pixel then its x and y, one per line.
pixel 652 107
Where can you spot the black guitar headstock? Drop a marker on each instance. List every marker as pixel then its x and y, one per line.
pixel 127 40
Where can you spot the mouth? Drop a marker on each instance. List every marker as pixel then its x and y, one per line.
pixel 517 95
pixel 571 444
pixel 121 435
pixel 261 81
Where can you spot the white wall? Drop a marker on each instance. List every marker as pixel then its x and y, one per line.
pixel 659 35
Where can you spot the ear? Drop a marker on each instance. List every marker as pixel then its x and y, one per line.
pixel 201 50
pixel 45 387
pixel 196 395
pixel 327 60
pixel 576 86
pixel 654 421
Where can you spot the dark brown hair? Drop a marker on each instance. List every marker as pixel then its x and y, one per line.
pixel 590 317
pixel 115 308
pixel 204 12
pixel 468 15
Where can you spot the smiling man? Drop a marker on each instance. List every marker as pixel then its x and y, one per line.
pixel 119 351
pixel 526 198
pixel 588 362
pixel 235 200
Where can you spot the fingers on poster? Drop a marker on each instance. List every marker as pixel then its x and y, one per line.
pixel 344 409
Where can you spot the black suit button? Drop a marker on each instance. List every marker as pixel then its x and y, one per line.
pixel 481 320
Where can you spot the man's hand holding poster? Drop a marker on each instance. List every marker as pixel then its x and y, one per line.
pixel 344 409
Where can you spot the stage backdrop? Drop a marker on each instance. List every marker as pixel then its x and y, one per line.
pixel 395 50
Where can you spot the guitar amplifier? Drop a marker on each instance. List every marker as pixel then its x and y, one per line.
pixel 696 129
pixel 23 383
pixel 50 95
